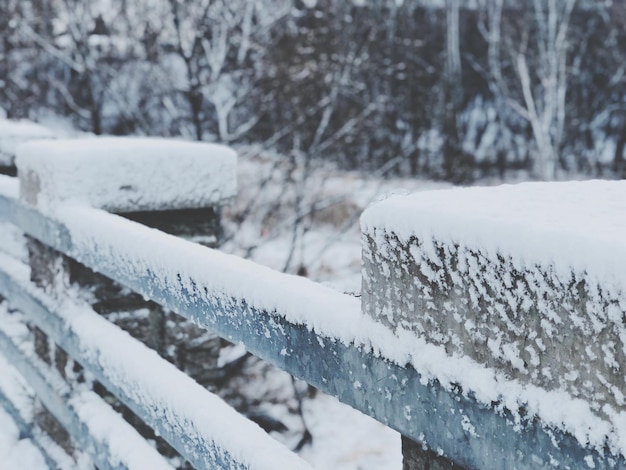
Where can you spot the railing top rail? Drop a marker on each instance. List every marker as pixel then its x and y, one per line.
pixel 205 430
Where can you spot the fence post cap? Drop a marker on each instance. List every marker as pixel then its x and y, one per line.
pixel 525 280
pixel 123 174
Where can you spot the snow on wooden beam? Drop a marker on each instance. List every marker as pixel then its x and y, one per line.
pixel 93 424
pixel 526 282
pixel 12 395
pixel 198 424
pixel 126 174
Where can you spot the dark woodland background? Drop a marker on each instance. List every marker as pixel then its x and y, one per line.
pixel 448 89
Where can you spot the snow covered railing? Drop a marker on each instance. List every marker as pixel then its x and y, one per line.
pixel 94 425
pixel 202 428
pixel 418 379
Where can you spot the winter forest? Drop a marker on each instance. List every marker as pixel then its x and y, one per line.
pixel 445 89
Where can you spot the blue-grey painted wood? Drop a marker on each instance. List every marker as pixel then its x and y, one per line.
pixel 393 394
pixel 55 398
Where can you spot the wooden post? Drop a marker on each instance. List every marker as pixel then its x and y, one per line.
pixel 462 273
pixel 49 270
pixel 416 457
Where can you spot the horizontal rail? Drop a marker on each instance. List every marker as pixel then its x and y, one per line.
pixel 72 410
pixel 198 424
pixel 27 430
pixel 315 335
pixel 19 400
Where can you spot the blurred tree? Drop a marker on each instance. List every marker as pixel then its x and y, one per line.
pixel 454 89
pixel 221 45
pixel 538 45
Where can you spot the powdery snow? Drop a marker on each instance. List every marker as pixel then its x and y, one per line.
pixel 574 226
pixel 125 445
pixel 331 419
pixel 126 174
pixel 17 452
pixel 135 250
pixel 140 250
pixel 105 426
pixel 12 133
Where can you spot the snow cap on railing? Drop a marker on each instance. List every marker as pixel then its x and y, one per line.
pixel 13 133
pixel 526 280
pixel 126 174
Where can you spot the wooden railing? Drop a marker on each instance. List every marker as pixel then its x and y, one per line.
pixel 306 329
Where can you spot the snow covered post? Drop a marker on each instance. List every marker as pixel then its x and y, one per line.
pixel 525 283
pixel 175 186
pixel 12 133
